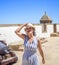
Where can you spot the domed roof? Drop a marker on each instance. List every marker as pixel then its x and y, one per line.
pixel 45 17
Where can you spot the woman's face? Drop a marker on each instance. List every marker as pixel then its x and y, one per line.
pixel 29 30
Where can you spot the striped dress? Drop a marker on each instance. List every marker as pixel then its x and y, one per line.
pixel 30 57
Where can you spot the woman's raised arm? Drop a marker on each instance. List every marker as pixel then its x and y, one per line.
pixel 17 31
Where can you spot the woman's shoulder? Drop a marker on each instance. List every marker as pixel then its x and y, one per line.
pixel 26 37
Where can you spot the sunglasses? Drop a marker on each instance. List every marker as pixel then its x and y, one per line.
pixel 28 29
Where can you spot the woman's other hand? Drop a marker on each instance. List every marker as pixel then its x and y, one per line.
pixel 43 60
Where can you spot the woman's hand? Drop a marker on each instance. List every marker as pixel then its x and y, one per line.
pixel 43 60
pixel 25 24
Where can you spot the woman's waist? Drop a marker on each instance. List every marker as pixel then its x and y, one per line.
pixel 30 52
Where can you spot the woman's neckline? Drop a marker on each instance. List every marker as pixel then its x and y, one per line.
pixel 31 40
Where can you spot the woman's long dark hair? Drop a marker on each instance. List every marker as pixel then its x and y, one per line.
pixel 34 32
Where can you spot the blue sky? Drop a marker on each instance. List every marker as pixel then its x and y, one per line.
pixel 22 11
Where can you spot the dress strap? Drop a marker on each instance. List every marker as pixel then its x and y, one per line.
pixel 26 39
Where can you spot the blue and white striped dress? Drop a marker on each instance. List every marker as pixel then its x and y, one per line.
pixel 30 57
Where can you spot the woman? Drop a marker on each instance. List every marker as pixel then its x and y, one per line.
pixel 31 43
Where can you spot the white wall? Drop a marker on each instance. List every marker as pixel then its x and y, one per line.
pixel 9 35
pixel 57 27
pixel 45 34
pixel 38 30
pixel 49 28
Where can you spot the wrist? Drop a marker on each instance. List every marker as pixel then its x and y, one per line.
pixel 43 58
